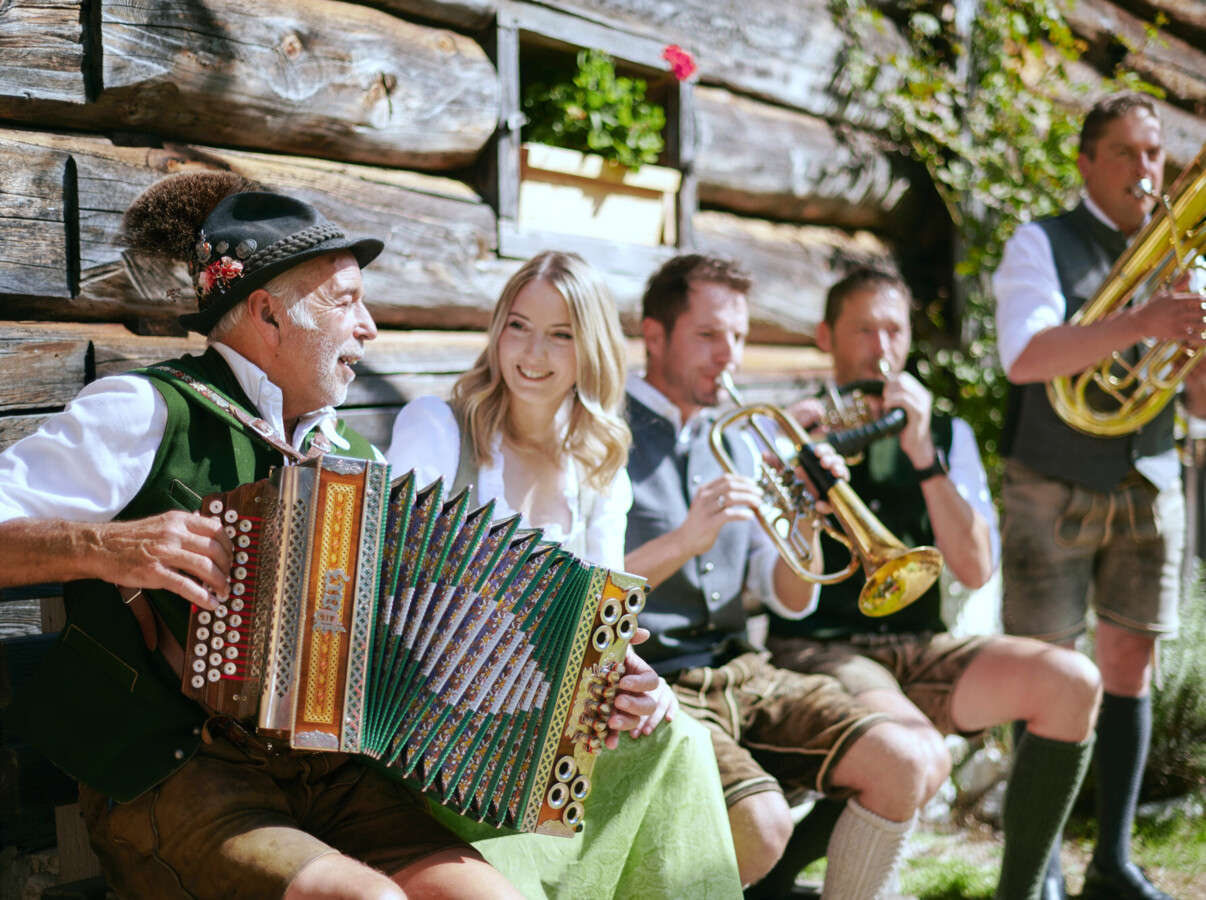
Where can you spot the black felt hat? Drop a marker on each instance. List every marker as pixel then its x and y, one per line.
pixel 251 237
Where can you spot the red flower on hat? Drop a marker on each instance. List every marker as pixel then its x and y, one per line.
pixel 219 272
pixel 681 62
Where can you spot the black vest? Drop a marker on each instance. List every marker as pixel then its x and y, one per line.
pixel 886 482
pixel 1085 250
pixel 695 616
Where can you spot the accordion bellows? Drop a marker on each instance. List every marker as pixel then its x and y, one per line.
pixel 468 657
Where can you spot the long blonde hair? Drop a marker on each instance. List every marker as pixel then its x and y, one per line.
pixel 597 437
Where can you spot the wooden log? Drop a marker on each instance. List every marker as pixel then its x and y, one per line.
pixel 39 369
pixel 755 48
pixel 1161 57
pixel 776 163
pixel 35 221
pixel 467 15
pixel 312 77
pixel 438 267
pixel 1187 18
pixel 46 37
pixel 793 267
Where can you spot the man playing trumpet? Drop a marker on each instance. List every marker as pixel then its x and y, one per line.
pixel 1082 511
pixel 928 486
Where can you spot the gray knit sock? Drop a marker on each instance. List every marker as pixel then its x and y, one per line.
pixel 1042 786
pixel 864 850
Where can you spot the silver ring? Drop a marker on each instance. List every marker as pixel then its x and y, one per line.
pixel 722 500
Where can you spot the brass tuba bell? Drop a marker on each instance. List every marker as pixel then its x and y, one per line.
pixel 1159 255
pixel 896 575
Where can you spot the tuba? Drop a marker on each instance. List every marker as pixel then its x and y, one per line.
pixel 1160 254
pixel 896 575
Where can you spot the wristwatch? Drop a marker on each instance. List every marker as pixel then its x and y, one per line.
pixel 937 467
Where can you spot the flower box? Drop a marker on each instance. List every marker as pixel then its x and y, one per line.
pixel 582 194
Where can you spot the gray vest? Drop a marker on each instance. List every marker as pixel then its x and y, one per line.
pixel 695 617
pixel 1085 250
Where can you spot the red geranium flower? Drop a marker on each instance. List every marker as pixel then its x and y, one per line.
pixel 681 63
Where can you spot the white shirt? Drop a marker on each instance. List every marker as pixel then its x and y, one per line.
pixel 760 573
pixel 426 438
pixel 88 462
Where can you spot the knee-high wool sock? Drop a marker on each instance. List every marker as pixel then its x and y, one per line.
pixel 1124 730
pixel 1042 786
pixel 864 850
pixel 1055 868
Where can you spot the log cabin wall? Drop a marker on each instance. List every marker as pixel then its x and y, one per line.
pixel 397 118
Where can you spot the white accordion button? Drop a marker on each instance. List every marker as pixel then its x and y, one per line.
pixel 232 652
pixel 242 541
pixel 231 515
pixel 241 557
pixel 219 627
pixel 198 665
pixel 235 620
pixel 200 650
pixel 217 643
pixel 244 525
pixel 239 574
pixel 229 668
pixel 198 681
pixel 204 617
pixel 213 675
pixel 230 531
pixel 215 659
pixel 220 611
pixel 236 605
pixel 203 634
pixel 238 589
pixel 232 637
pixel 215 507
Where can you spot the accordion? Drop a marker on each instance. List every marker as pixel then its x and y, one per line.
pixel 468 657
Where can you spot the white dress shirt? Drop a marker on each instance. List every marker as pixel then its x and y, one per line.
pixel 426 438
pixel 88 462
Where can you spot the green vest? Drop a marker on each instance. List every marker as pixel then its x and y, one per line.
pixel 102 707
pixel 886 482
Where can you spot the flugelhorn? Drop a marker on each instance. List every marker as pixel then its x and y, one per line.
pixel 896 575
pixel 850 424
pixel 1160 255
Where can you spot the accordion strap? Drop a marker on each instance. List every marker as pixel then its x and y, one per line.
pixel 319 443
pixel 155 633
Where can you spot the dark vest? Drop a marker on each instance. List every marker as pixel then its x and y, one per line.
pixel 102 707
pixel 886 482
pixel 695 616
pixel 1085 250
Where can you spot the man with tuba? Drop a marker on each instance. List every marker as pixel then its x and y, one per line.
pixel 927 484
pixel 691 533
pixel 1084 513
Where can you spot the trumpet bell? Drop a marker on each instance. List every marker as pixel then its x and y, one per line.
pixel 900 580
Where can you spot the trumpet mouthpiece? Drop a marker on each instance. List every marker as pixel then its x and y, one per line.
pixel 725 380
pixel 1143 188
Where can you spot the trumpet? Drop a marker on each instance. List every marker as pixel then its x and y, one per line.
pixel 1159 255
pixel 896 575
pixel 849 423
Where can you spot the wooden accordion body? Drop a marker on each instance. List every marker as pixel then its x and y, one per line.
pixel 468 657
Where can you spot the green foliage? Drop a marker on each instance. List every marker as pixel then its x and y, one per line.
pixel 986 113
pixel 1176 763
pixel 593 110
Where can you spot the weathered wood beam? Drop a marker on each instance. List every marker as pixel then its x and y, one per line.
pixel 1161 57
pixel 1187 18
pixel 42 38
pixel 789 53
pixel 793 268
pixel 468 15
pixel 774 162
pixel 437 268
pixel 313 77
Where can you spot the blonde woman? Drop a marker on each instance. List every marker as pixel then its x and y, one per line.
pixel 537 424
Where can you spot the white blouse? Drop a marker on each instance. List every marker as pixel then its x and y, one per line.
pixel 426 438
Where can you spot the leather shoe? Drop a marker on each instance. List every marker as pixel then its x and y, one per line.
pixel 1128 883
pixel 1053 888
